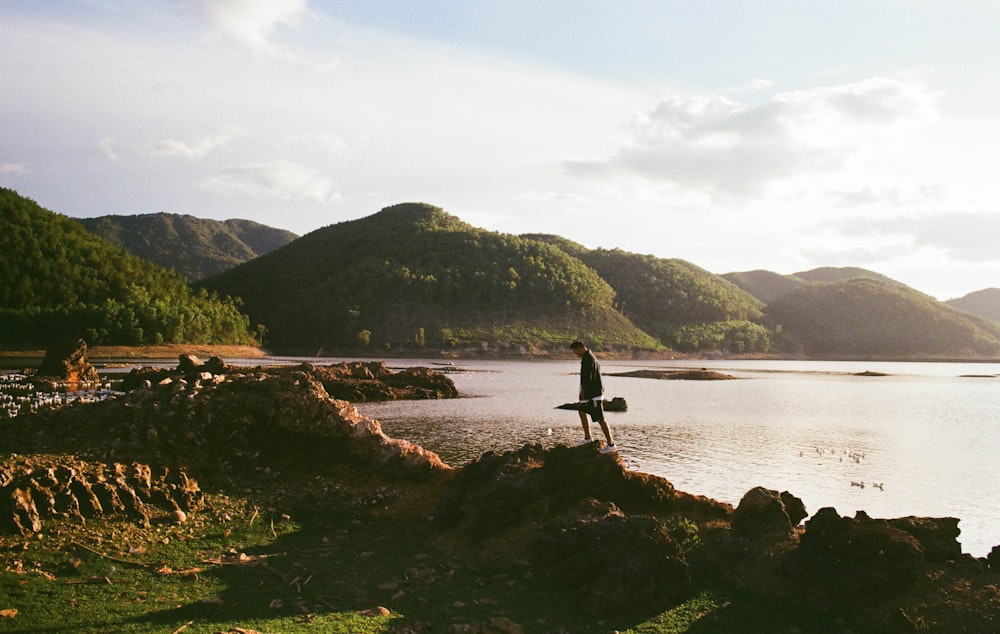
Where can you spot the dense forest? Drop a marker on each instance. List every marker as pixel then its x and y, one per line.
pixel 412 276
pixel 194 247
pixel 684 306
pixel 984 303
pixel 415 275
pixel 58 280
pixel 877 318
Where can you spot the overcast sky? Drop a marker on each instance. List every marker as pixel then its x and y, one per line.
pixel 736 134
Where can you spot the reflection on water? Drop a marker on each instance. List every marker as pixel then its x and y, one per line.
pixel 928 432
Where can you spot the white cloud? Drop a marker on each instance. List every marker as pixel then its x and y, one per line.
pixel 962 236
pixel 330 144
pixel 252 23
pixel 107 145
pixel 723 147
pixel 276 179
pixel 197 148
pixel 13 168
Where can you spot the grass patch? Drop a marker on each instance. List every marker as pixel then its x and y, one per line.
pixel 316 570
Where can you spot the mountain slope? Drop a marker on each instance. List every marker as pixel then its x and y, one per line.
pixel 683 305
pixel 766 286
pixel 867 317
pixel 59 280
pixel 984 303
pixel 412 274
pixel 840 273
pixel 194 247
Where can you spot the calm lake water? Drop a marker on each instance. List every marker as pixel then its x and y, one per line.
pixel 929 433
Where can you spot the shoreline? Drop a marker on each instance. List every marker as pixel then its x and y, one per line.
pixel 12 355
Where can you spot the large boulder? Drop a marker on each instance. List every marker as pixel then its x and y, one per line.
pixel 856 560
pixel 66 361
pixel 613 564
pixel 937 535
pixel 763 512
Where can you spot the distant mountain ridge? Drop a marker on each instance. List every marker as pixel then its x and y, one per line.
pixel 681 304
pixel 769 286
pixel 58 280
pixel 194 247
pixel 870 317
pixel 412 275
pixel 984 303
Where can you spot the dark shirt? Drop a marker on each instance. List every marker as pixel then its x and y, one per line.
pixel 590 376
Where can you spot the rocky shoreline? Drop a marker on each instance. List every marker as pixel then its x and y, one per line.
pixel 616 544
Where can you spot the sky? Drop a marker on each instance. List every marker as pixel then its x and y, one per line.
pixel 735 134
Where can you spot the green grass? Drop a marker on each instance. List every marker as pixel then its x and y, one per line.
pixel 234 566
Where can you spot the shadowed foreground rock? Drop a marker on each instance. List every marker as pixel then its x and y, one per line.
pixel 612 542
pixel 252 429
pixel 359 381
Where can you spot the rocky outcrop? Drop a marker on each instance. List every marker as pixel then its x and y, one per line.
pixel 357 382
pixel 581 517
pixel 856 559
pixel 765 512
pixel 614 543
pixel 702 374
pixel 612 563
pixel 66 362
pixel 33 490
pixel 252 430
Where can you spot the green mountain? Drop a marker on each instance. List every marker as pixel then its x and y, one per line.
pixel 681 304
pixel 766 286
pixel 413 275
pixel 984 303
pixel 839 274
pixel 684 306
pixel 873 318
pixel 59 280
pixel 194 247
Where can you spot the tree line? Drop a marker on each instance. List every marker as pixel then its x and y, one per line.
pixel 58 280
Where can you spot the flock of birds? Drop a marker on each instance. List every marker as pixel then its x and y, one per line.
pixel 850 456
pixel 19 396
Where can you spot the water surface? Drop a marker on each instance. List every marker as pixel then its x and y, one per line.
pixel 922 440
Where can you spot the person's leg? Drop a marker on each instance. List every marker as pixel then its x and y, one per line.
pixel 598 416
pixel 585 422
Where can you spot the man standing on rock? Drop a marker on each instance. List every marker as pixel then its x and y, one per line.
pixel 591 395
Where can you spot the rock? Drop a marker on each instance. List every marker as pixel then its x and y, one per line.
pixel 763 511
pixel 616 565
pixel 356 382
pixel 937 535
pixel 38 489
pixel 66 360
pixel 703 374
pixel 993 559
pixel 188 363
pixel 855 560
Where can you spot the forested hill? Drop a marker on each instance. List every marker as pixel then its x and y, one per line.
pixel 413 275
pixel 59 280
pixel 194 247
pixel 984 303
pixel 866 317
pixel 681 304
pixel 769 286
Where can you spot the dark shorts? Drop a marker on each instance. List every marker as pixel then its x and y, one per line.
pixel 595 409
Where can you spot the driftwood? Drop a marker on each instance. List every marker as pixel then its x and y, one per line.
pixel 617 404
